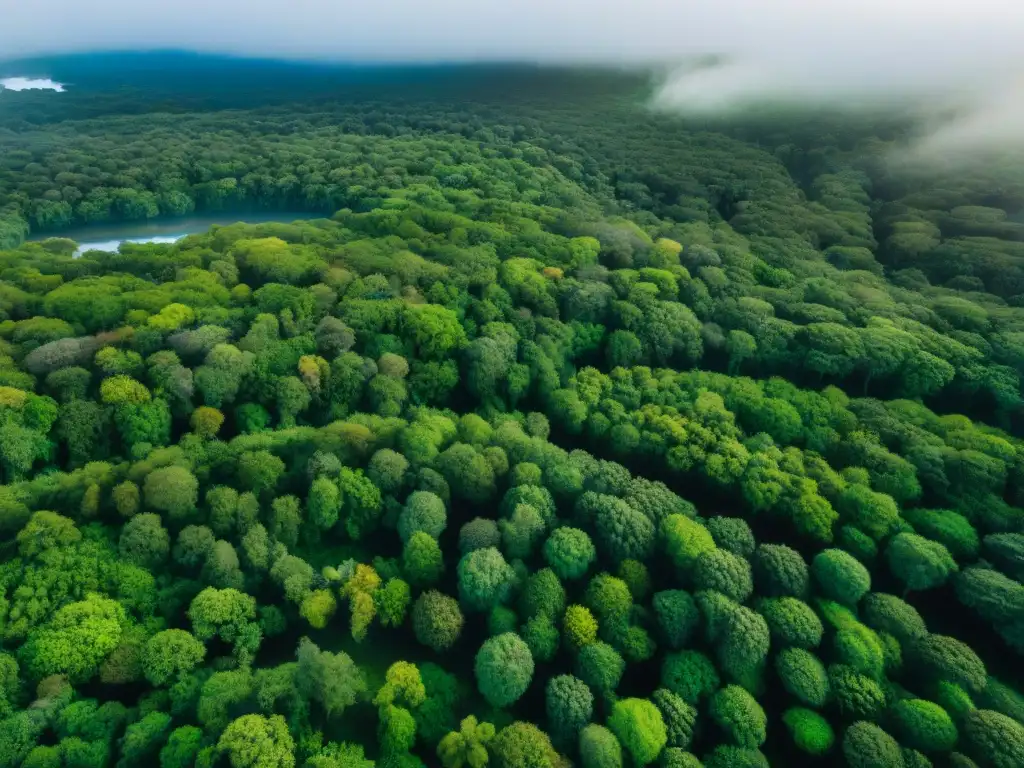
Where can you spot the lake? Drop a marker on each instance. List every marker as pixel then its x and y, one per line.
pixel 108 237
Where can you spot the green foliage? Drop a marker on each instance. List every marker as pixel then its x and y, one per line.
pixel 690 675
pixel 865 745
pixel 569 705
pixel 680 718
pixel 918 562
pixel 436 620
pixel 254 740
pixel 467 746
pixel 677 616
pixel 722 571
pixel 297 413
pixel 638 725
pixel 924 725
pixel 171 654
pixel 804 676
pixel 684 540
pixel 791 622
pixel 739 716
pixel 599 748
pixel 888 613
pixel 810 731
pixel 569 552
pixel 504 668
pixel 485 579
pixel 840 577
pixel 993 739
pixel 579 625
pixel 600 666
pixel 941 657
pixel 856 696
pixel 422 560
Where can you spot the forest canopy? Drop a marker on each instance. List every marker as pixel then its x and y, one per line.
pixel 560 432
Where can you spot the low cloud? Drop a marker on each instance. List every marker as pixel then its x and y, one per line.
pixel 932 55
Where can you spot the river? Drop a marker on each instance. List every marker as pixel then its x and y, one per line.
pixel 108 237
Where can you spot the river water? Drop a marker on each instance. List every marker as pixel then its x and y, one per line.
pixel 108 237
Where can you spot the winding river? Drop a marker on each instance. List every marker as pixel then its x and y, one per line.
pixel 108 237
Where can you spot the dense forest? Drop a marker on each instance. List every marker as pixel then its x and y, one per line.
pixel 562 432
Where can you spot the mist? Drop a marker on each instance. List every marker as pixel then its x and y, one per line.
pixel 932 56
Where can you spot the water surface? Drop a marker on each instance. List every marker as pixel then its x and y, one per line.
pixel 109 237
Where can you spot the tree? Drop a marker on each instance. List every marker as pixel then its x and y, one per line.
pixel 224 613
pixel 256 741
pixel 544 594
pixel 600 666
pixel 478 533
pixel 810 731
pixel 569 707
pixel 259 471
pixel 323 504
pixel 569 552
pixel 859 648
pixel 170 655
pixel 521 531
pixel 739 716
pixel 74 642
pixel 919 562
pixel 855 695
pixel 791 622
pixel 924 725
pixel 941 657
pixel 639 728
pixel 485 579
pixel 780 571
pixel 468 473
pixel 193 547
pixel 542 636
pixel 690 675
pixel 437 620
pixel 888 613
pixel 743 644
pixel 144 541
pixel 993 739
pixel 622 531
pixel 677 616
pixel 422 560
pixel 523 744
pixel 599 748
pixel 840 577
pixel 206 421
pixel 182 747
pixel 865 745
pixel 402 686
pixel 143 739
pixel 504 668
pixel 803 676
pixel 995 597
pixel 392 601
pixel 173 490
pixel 684 540
pixel 951 529
pixel 722 571
pixel 680 718
pixel 45 531
pixel 466 746
pixel 331 679
pixel 580 626
pixel 423 511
